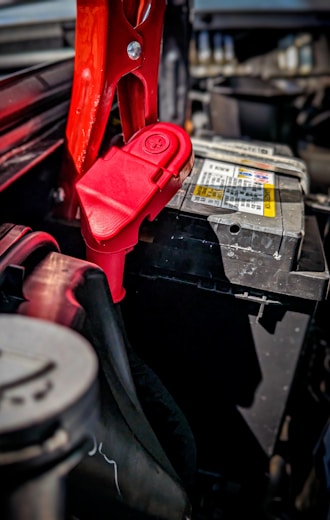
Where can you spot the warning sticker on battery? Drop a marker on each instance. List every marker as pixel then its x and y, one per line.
pixel 239 188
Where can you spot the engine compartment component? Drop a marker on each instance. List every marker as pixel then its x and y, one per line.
pixel 47 417
pixel 201 244
pixel 214 367
pixel 56 288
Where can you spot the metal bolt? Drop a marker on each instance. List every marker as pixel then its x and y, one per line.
pixel 134 50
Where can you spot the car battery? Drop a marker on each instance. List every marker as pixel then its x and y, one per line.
pixel 221 291
pixel 254 202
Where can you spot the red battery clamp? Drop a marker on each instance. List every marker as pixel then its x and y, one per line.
pixel 118 47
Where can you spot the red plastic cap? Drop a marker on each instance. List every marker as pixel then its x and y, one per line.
pixel 126 186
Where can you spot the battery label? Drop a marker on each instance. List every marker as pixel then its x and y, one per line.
pixel 239 188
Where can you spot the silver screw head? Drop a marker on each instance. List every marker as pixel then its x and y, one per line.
pixel 134 50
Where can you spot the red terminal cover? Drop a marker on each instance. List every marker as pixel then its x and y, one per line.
pixel 126 186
